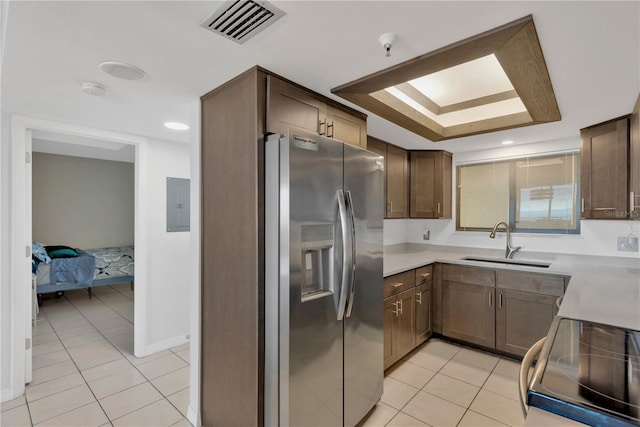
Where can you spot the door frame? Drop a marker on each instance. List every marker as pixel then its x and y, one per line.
pixel 21 225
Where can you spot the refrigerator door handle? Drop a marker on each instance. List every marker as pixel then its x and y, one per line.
pixel 346 253
pixel 352 266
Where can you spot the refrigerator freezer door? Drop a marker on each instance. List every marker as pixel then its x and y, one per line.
pixel 315 334
pixel 321 371
pixel 363 335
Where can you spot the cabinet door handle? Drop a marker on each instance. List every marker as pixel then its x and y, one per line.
pixel 419 300
pixel 500 302
pixel 332 129
pixel 425 275
pixel 396 311
pixel 582 205
pixel 490 299
pixel 400 302
pixel 632 202
pixel 438 208
pixel 322 127
pixel 398 284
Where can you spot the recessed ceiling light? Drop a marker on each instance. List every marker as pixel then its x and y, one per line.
pixel 176 126
pixel 507 142
pixel 122 70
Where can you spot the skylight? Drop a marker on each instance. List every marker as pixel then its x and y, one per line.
pixel 493 81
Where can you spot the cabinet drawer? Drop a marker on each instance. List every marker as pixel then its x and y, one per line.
pixel 472 275
pixel 399 282
pixel 531 282
pixel 424 274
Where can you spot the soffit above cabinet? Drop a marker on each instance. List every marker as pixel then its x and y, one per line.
pixel 492 81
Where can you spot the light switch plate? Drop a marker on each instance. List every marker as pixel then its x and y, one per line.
pixel 627 244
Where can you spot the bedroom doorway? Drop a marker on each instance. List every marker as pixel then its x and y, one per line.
pixel 82 216
pixel 25 131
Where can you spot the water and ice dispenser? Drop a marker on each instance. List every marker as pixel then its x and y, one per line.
pixel 317 245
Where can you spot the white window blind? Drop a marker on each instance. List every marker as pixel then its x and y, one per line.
pixel 534 194
pixel 484 195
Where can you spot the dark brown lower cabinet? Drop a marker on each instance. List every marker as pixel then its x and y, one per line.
pixel 499 309
pixel 399 326
pixel 423 313
pixel 389 331
pixel 468 313
pixel 522 318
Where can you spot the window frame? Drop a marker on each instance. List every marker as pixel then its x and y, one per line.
pixel 511 220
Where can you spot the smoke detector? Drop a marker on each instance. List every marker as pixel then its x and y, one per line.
pixel 240 20
pixel 386 41
pixel 95 89
pixel 122 70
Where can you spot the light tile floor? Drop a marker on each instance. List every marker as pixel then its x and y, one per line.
pixel 444 384
pixel 85 373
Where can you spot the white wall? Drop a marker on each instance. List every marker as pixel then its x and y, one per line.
pixel 5 238
pixel 5 260
pixel 162 266
pixel 83 203
pixel 168 254
pixel 597 237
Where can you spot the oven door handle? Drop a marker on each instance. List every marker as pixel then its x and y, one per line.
pixel 523 382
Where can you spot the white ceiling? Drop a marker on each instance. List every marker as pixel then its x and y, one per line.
pixel 592 50
pixel 78 146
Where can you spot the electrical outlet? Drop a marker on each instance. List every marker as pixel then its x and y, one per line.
pixel 628 243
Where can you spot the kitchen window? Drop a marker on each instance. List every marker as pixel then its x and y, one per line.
pixel 536 194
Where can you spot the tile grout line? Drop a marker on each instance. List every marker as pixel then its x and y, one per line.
pixel 134 366
pixel 119 351
pixel 438 372
pixel 421 389
pixel 78 368
pixel 479 390
pixel 66 349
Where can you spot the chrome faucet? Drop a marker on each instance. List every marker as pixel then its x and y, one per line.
pixel 510 249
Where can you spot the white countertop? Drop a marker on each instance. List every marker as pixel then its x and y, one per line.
pixel 601 289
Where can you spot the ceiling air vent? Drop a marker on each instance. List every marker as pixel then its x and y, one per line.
pixel 239 20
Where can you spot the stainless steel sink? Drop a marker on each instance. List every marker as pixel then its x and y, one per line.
pixel 508 261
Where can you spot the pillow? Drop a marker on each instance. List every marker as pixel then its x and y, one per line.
pixel 61 252
pixel 39 252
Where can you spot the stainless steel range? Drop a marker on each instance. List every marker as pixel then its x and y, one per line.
pixel 589 372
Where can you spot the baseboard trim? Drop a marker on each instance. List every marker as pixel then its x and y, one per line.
pixel 163 345
pixel 6 395
pixel 193 416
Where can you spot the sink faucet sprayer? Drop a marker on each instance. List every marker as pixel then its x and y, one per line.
pixel 510 249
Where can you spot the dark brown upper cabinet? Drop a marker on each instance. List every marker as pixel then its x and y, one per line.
pixel 604 154
pixel 397 177
pixel 431 175
pixel 290 105
pixel 346 127
pixel 377 146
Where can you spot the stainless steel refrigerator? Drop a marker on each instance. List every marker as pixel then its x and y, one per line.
pixel 323 281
